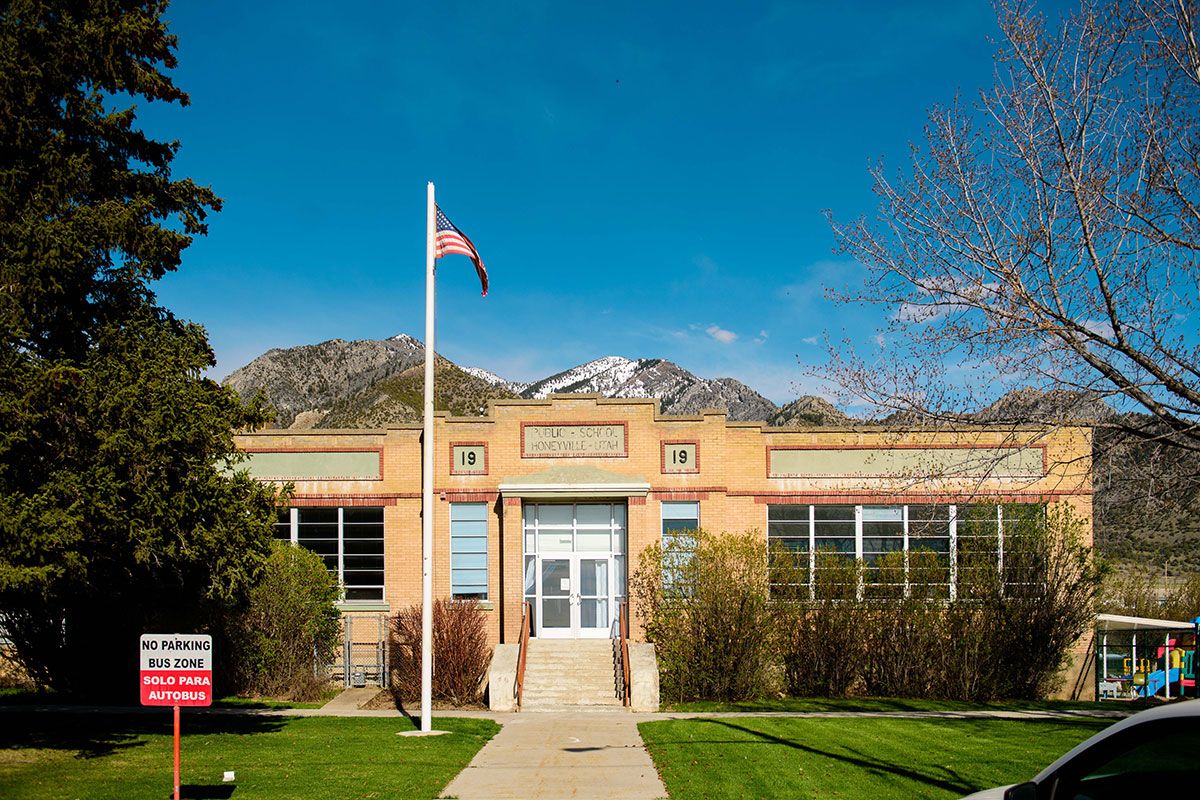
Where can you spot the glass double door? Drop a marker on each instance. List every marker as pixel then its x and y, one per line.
pixel 575 596
pixel 574 567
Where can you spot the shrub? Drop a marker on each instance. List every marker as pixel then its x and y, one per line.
pixel 820 643
pixel 289 629
pixel 460 652
pixel 705 605
pixel 1007 635
pixel 903 636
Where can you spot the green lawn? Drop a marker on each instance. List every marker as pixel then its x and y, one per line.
pixel 875 758
pixel 20 696
pixel 75 756
pixel 811 704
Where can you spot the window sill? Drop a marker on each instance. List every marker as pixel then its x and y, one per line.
pixel 364 605
pixel 483 605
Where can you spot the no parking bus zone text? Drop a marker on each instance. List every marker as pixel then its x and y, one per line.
pixel 176 670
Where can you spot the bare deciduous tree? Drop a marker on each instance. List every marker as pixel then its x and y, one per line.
pixel 1049 234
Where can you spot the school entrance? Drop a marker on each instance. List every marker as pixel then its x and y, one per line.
pixel 575 567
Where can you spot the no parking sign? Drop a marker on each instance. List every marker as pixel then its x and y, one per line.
pixel 176 669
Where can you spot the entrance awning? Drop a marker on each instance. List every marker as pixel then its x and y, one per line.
pixel 574 481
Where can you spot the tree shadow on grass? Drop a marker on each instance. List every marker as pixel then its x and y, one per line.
pixel 195 791
pixel 949 780
pixel 97 733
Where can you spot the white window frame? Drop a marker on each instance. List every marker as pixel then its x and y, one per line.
pixel 952 549
pixel 340 575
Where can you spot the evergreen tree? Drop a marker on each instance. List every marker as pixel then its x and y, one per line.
pixel 119 513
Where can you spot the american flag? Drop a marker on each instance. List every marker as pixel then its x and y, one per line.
pixel 450 239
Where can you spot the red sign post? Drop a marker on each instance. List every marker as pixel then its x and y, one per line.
pixel 176 671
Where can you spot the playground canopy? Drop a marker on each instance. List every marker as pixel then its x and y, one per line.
pixel 1143 657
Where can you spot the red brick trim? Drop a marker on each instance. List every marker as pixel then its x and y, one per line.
pixel 668 489
pixel 637 501
pixel 327 500
pixel 483 471
pixel 662 457
pixel 899 446
pixel 575 423
pixel 460 496
pixel 512 501
pixel 905 497
pixel 680 495
pixel 377 450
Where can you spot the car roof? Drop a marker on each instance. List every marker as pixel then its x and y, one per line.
pixel 1182 709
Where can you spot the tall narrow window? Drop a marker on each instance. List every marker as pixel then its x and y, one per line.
pixel 362 553
pixel 978 549
pixel 883 550
pixel 283 525
pixel 468 551
pixel 789 550
pixel 929 551
pixel 680 521
pixel 1022 558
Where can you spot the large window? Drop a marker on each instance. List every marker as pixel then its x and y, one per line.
pixel 468 551
pixel 350 540
pixel 928 549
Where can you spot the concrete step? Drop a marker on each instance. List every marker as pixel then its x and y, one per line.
pixel 535 667
pixel 572 691
pixel 567 701
pixel 569 674
pixel 565 674
pixel 563 708
pixel 571 696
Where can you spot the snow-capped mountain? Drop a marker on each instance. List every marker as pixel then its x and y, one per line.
pixel 487 376
pixel 309 383
pixel 679 391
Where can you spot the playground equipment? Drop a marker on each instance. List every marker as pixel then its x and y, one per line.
pixel 1140 657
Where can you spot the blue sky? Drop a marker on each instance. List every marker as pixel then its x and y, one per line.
pixel 642 179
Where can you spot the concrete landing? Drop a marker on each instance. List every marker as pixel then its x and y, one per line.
pixel 551 756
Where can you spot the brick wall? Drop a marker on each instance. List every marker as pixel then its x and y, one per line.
pixel 732 484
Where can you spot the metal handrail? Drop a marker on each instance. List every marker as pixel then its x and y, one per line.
pixel 623 616
pixel 614 634
pixel 523 647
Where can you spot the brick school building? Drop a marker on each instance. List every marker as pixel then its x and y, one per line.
pixel 550 501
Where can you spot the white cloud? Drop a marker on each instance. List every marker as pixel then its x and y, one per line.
pixel 942 297
pixel 819 277
pixel 1100 327
pixel 762 337
pixel 880 340
pixel 721 335
pixel 809 340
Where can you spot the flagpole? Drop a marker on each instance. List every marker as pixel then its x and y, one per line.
pixel 427 480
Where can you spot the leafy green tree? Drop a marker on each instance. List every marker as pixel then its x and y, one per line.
pixel 118 511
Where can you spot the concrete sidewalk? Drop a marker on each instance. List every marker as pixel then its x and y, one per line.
pixel 553 756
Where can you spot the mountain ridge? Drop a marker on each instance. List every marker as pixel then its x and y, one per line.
pixel 371 383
